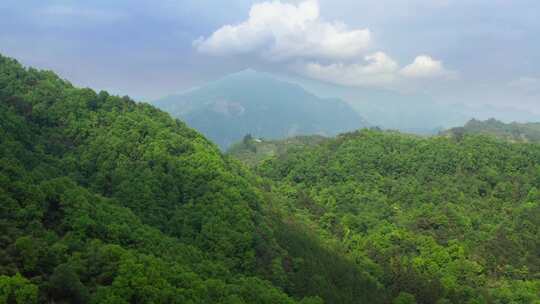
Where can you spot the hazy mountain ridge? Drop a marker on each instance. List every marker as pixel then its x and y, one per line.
pixel 513 132
pixel 415 111
pixel 255 103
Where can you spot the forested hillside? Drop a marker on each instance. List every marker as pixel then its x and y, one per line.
pixel 514 132
pixel 443 220
pixel 252 151
pixel 105 200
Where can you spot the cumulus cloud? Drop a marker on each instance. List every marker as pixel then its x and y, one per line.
pixel 296 37
pixel 280 31
pixel 424 66
pixel 377 69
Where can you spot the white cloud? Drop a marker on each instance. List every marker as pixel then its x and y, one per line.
pixel 424 66
pixel 377 70
pixel 296 37
pixel 280 31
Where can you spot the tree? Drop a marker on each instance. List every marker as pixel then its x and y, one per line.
pixel 404 298
pixel 66 287
pixel 17 290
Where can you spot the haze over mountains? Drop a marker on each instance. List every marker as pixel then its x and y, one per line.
pixel 415 111
pixel 255 103
pixel 513 132
pixel 272 107
pixel 420 114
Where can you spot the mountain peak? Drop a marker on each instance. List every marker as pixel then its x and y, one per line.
pixel 258 103
pixel 250 74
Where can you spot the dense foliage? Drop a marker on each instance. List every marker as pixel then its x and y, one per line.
pixel 252 151
pixel 104 200
pixel 442 219
pixel 513 132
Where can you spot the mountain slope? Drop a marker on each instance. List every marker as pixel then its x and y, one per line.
pixel 514 132
pixel 445 220
pixel 414 111
pixel 105 200
pixel 251 151
pixel 255 103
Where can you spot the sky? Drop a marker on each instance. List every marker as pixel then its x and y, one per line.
pixel 456 51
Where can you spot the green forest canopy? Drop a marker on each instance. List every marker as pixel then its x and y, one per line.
pixel 105 200
pixel 446 220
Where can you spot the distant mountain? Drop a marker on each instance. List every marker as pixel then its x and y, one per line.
pixel 514 132
pixel 255 103
pixel 411 112
pixel 416 114
pixel 414 111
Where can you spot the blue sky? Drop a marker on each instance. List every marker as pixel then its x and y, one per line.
pixel 467 51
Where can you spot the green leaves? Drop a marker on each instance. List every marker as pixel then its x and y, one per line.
pixel 18 290
pixel 443 219
pixel 105 200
